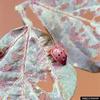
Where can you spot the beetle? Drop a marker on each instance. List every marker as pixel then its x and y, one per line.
pixel 1 54
pixel 58 54
pixel 3 51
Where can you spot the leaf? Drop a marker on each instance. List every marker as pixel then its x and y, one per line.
pixel 77 30
pixel 25 67
pixel 69 5
pixel 26 63
pixel 67 83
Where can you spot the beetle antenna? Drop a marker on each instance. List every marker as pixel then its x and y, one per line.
pixel 50 35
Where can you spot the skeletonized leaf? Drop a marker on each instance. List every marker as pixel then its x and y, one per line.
pixel 78 34
pixel 69 5
pixel 26 63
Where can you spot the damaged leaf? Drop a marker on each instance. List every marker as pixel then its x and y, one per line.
pixel 26 70
pixel 76 28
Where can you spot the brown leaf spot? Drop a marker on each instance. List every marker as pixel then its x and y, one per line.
pixel 81 30
pixel 64 18
pixel 7 68
pixel 77 2
pixel 42 96
pixel 64 6
pixel 96 46
pixel 97 18
pixel 87 14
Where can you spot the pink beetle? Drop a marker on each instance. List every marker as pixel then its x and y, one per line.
pixel 58 54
